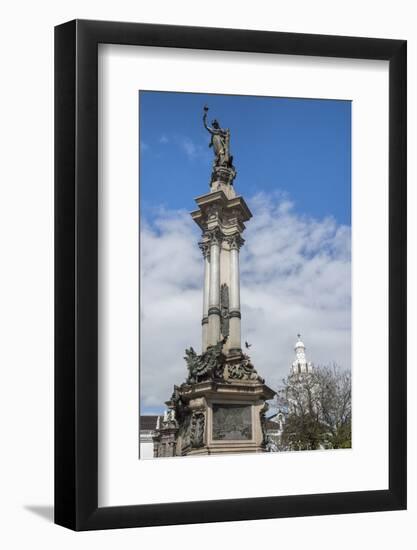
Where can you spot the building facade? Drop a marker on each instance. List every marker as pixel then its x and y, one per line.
pixel 148 426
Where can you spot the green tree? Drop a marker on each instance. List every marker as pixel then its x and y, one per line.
pixel 319 409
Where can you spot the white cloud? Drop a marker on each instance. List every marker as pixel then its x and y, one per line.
pixel 192 149
pixel 295 277
pixel 189 147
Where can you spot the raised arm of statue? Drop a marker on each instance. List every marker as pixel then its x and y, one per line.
pixel 206 126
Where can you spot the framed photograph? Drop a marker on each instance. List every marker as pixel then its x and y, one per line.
pixel 230 285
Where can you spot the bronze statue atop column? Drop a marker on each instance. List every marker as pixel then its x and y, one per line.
pixel 223 169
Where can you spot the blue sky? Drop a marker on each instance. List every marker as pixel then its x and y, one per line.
pixel 293 160
pixel 301 147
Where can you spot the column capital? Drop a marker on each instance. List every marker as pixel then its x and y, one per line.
pixel 235 241
pixel 205 248
pixel 213 236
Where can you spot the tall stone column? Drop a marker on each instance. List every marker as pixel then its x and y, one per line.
pixel 205 248
pixel 234 312
pixel 213 332
pixel 221 405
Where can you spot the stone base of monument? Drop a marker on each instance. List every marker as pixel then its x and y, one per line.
pixel 222 417
pixel 220 408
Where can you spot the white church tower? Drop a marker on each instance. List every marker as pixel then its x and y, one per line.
pixel 300 365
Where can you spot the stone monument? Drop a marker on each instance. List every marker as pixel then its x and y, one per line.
pixel 221 406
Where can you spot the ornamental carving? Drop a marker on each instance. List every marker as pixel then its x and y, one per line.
pixel 213 365
pixel 242 370
pixel 205 249
pixel 235 241
pixel 184 434
pixel 223 174
pixel 232 217
pixel 232 422
pixel 191 431
pixel 214 236
pixel 213 210
pixel 207 366
pixel 197 429
pixel 178 405
pixel 169 421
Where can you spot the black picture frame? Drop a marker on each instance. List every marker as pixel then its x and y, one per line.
pixel 76 272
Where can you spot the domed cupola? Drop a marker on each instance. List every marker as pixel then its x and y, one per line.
pixel 300 365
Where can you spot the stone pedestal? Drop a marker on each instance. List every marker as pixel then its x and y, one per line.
pixel 221 406
pixel 221 417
